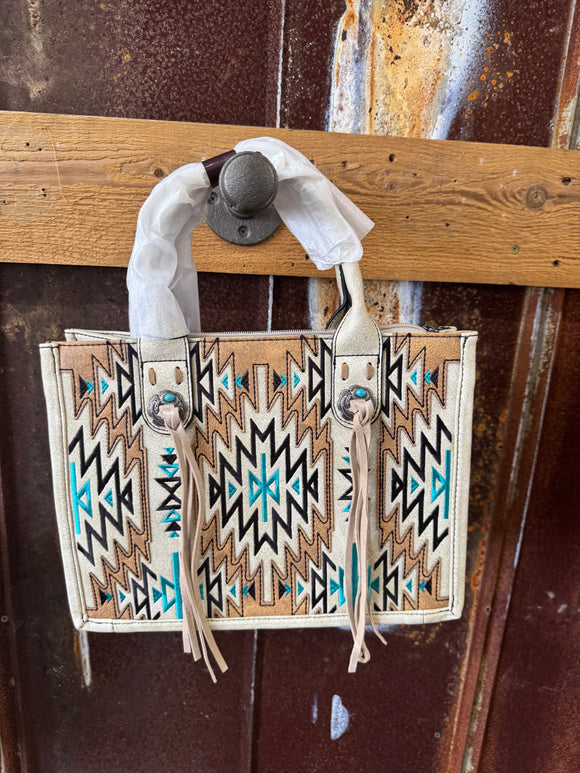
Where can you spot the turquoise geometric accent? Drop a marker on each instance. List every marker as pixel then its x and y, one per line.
pixel 414 485
pixel 171 516
pixel 300 587
pixel 231 489
pixel 263 487
pixel 169 450
pixel 341 596
pixel 238 380
pixel 122 596
pixel 409 585
pixel 177 587
pixel 444 487
pixel 245 590
pixel 81 498
pixel 414 377
pixel 201 590
pixel 346 459
pixel 288 589
pixel 347 508
pixel 427 377
pixel 104 386
pixel 375 585
pixel 109 596
pixel 90 386
pixel 233 589
pixel 422 585
pixel 165 584
pixel 169 469
pixel 109 497
pixel 354 571
pixel 162 594
pixel 355 574
pixel 296 380
pixel 296 485
pixel 338 586
pixel 283 380
pixel 225 381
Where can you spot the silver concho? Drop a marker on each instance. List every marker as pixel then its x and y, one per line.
pixel 355 392
pixel 165 397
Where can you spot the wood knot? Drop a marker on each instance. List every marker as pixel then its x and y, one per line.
pixel 536 197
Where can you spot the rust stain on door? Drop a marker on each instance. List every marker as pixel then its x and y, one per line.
pixel 405 68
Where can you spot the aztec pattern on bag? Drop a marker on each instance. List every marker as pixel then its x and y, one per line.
pixel 277 480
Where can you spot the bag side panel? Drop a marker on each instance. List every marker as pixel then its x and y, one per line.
pixel 57 431
pixel 422 476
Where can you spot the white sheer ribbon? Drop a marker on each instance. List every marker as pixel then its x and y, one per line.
pixel 162 279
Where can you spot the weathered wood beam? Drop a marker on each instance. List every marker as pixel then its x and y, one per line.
pixel 71 188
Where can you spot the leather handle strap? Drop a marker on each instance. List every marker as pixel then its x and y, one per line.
pixel 357 344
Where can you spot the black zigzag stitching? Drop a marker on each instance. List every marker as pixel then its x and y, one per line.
pixel 144 603
pixel 123 498
pixel 198 375
pixel 322 581
pixel 293 504
pixel 128 376
pixel 211 599
pixel 319 368
pixel 399 485
pixel 390 368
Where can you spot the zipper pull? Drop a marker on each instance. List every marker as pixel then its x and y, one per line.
pixel 433 327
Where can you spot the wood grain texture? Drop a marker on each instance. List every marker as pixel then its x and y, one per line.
pixel 71 188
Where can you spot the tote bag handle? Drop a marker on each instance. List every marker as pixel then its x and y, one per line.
pixel 162 278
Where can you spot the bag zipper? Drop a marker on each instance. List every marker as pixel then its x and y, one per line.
pixel 394 327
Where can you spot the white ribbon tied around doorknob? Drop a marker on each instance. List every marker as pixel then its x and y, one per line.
pixel 162 278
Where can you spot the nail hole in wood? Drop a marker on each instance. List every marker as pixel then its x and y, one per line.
pixel 392 158
pixel 556 263
pixel 566 180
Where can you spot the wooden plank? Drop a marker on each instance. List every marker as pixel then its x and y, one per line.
pixel 71 188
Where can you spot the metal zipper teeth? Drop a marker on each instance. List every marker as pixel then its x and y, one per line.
pixel 276 333
pixel 271 333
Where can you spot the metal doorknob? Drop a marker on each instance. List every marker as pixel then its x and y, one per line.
pixel 249 183
pixel 241 209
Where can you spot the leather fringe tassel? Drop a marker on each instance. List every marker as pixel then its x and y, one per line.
pixel 197 635
pixel 358 603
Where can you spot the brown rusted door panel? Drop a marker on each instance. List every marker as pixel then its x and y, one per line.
pixel 533 721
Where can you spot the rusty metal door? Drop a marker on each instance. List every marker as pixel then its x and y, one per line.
pixel 497 690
